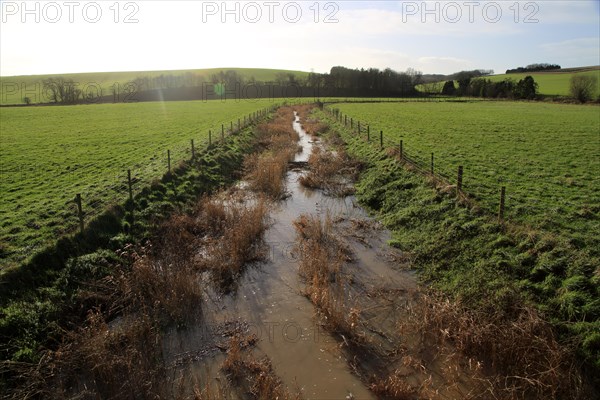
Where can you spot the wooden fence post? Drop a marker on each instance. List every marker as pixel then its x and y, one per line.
pixel 239 125
pixel 79 211
pixel 502 200
pixel 193 149
pixel 368 133
pixel 209 137
pixel 459 180
pixel 345 120
pixel 401 150
pixel 359 128
pixel 169 159
pixel 231 126
pixel 129 185
pixel 351 123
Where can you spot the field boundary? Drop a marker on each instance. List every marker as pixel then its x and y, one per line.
pixel 87 213
pixel 424 167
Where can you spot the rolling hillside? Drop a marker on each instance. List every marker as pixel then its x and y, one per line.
pixel 553 83
pixel 15 88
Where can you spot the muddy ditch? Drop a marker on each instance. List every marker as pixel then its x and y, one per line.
pixel 281 287
pixel 328 311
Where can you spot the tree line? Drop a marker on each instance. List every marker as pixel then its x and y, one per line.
pixel 525 88
pixel 339 81
pixel 533 68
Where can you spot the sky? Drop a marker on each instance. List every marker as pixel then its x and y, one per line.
pixel 53 37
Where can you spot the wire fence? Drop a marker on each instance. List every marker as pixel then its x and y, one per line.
pixel 89 201
pixel 454 177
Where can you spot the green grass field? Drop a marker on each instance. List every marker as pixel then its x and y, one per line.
pixel 14 88
pixel 547 155
pixel 546 255
pixel 49 154
pixel 551 83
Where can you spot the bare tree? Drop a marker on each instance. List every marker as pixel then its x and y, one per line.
pixel 415 76
pixel 61 90
pixel 583 87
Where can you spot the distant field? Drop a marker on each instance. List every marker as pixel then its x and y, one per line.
pixel 550 83
pixel 49 154
pixel 547 155
pixel 14 88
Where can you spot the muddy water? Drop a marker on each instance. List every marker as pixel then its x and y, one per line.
pixel 268 300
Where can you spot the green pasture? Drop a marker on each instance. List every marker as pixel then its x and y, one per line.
pixel 48 154
pixel 547 155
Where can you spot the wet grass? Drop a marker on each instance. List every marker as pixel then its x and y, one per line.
pixel 150 276
pixel 142 270
pixel 331 171
pixel 321 264
pixel 266 168
pixel 493 269
pixel 253 378
pixel 547 156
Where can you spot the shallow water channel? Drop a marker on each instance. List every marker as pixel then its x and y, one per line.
pixel 268 301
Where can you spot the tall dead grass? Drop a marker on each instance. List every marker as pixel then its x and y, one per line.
pixel 157 284
pixel 509 357
pixel 321 258
pixel 266 172
pixel 255 379
pixel 266 168
pixel 311 125
pixel 331 171
pixel 234 235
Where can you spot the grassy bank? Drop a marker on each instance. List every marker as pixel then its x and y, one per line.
pixel 14 88
pixel 49 154
pixel 485 265
pixel 58 289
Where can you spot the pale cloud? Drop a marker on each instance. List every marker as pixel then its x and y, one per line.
pixel 585 51
pixel 433 63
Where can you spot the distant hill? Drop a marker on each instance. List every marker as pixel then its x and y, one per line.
pixel 14 88
pixel 551 83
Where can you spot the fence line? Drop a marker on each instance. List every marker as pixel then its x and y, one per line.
pixel 88 202
pixel 428 167
pixel 127 187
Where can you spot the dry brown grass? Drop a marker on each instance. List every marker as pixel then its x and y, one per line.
pixel 278 133
pixel 99 360
pixel 322 258
pixel 331 171
pixel 311 125
pixel 500 356
pixel 157 285
pixel 266 168
pixel 221 234
pixel 255 379
pixel 266 172
pixel 233 235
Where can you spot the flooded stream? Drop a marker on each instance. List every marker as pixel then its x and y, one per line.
pixel 269 303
